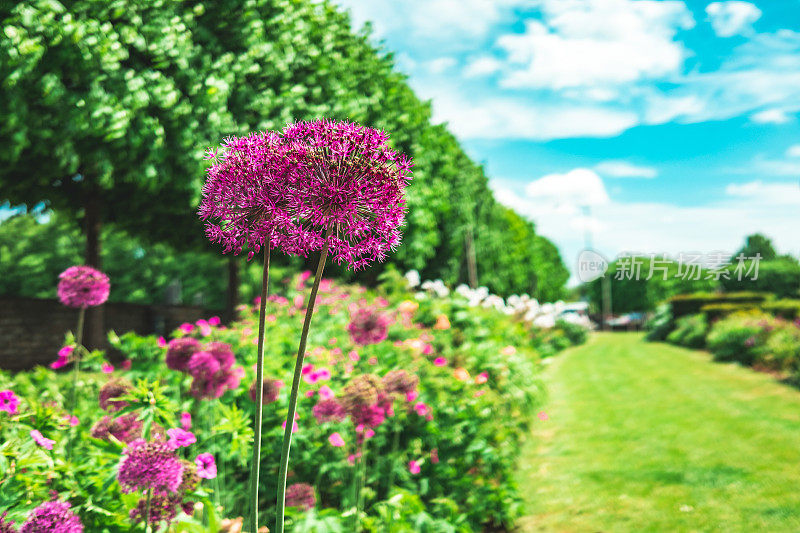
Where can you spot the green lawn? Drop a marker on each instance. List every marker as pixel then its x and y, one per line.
pixel 649 437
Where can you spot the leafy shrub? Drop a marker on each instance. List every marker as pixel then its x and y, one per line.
pixel 740 337
pixel 690 331
pixel 574 333
pixel 691 304
pixel 782 351
pixel 786 308
pixel 659 326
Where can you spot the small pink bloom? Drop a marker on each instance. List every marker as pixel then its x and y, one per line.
pixel 125 365
pixel 348 369
pixel 66 351
pixel 326 393
pixel 214 321
pixel 352 458
pixel 481 378
pixel 543 416
pixel 373 361
pixel 271 318
pixel 336 351
pixel 310 394
pixel 311 378
pixel 369 433
pixel 294 426
pixel 307 369
pixel 257 300
pixel 413 467
pixel 435 456
pixel 427 349
pixel 107 368
pixel 479 393
pixel 206 466
pixel 73 420
pixel 382 302
pixel 332 341
pixel 180 438
pixel 323 374
pixel 58 363
pixel 336 440
pixel 412 395
pixel 186 421
pixel 440 361
pixel 508 350
pixel 421 408
pixel 186 327
pixel 298 301
pixel 41 440
pixel 353 355
pixel 246 332
pixel 429 417
pixel 9 402
pixel 304 275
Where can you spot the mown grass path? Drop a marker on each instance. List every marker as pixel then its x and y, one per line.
pixel 649 437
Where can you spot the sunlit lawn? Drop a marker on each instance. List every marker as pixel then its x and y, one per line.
pixel 649 437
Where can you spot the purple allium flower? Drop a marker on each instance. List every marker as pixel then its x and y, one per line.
pixel 328 411
pixel 370 416
pixel 272 389
pixel 83 286
pixel 222 353
pixel 9 402
pixel 163 508
pixel 179 351
pixel 52 517
pixel 206 466
pixel 180 438
pixel 41 440
pixel 114 388
pixel 126 428
pixel 211 378
pixel 362 391
pixel 368 326
pixel 6 527
pixel 350 181
pixel 400 382
pixel 245 196
pixel 150 465
pixel 300 495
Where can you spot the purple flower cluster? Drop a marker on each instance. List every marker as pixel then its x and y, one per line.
pixel 150 465
pixel 272 388
pixel 368 326
pixel 50 517
pixel 400 382
pixel 83 286
pixel 210 366
pixel 317 184
pixel 114 388
pixel 164 505
pixel 180 350
pixel 328 410
pixel 125 428
pixel 300 495
pixel 6 527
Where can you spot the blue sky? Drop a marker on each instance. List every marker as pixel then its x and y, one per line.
pixel 677 122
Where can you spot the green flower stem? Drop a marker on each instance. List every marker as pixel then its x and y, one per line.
pixel 361 473
pixel 298 367
pixel 395 447
pixel 147 512
pixel 256 463
pixel 77 364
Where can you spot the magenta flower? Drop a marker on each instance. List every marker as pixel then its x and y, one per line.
pixel 180 438
pixel 300 495
pixel 186 421
pixel 336 440
pixel 63 357
pixel 421 409
pixel 6 527
pixel 440 361
pixel 107 368
pixel 52 517
pixel 414 467
pixel 246 200
pixel 150 465
pixel 9 402
pixel 481 378
pixel 41 440
pixel 214 321
pixel 213 372
pixel 206 466
pixel 179 351
pixel 83 286
pixel 326 393
pixel 351 183
pixel 368 326
pixel 272 389
pixel 186 327
pixel 162 342
pixel 328 411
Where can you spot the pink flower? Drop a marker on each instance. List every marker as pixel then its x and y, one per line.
pixel 323 374
pixel 298 301
pixel 421 408
pixel 479 393
pixel 310 393
pixel 294 426
pixel 543 416
pixel 414 467
pixel 83 286
pixel 427 349
pixel 368 326
pixel 214 321
pixel 352 458
pixel 206 466
pixel 332 341
pixel 162 342
pixel 271 318
pixel 307 369
pixel 326 393
pixel 481 378
pixel 41 440
pixel 440 361
pixel 180 438
pixel 66 351
pixel 369 433
pixel 336 440
pixel 435 456
pixel 186 421
pixel 125 365
pixel 205 328
pixel 353 355
pixel 373 361
pixel 9 402
pixel 107 368
pixel 412 395
pixel 186 327
pixel 72 420
pixel 311 378
pixel 63 357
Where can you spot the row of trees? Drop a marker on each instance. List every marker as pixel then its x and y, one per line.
pixel 107 107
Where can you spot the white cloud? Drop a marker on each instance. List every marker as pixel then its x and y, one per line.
pixel 482 66
pixel 732 18
pixel 578 187
pixel 766 193
pixel 440 64
pixel 624 169
pixel 770 116
pixel 590 42
pixel 793 151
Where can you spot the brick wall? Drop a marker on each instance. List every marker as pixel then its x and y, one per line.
pixel 32 330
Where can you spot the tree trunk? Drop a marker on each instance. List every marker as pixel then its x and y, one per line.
pixel 232 299
pixel 472 260
pixel 94 336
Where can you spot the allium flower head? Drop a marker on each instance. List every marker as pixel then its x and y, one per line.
pixel 400 382
pixel 212 377
pixel 163 508
pixel 114 389
pixel 9 402
pixel 361 391
pixel 300 495
pixel 272 388
pixel 83 286
pixel 126 428
pixel 180 350
pixel 368 326
pixel 150 465
pixel 348 181
pixel 328 411
pixel 246 195
pixel 52 517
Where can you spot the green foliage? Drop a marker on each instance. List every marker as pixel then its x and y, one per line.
pixel 740 337
pixel 662 322
pixel 758 244
pixel 693 303
pixel 780 277
pixel 690 331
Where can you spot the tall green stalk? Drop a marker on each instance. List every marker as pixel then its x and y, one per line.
pixel 298 367
pixel 77 364
pixel 256 463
